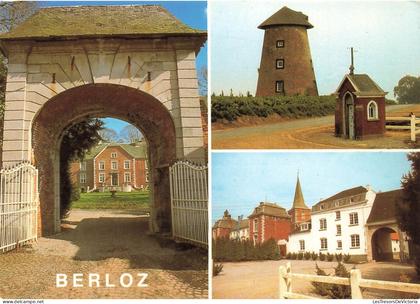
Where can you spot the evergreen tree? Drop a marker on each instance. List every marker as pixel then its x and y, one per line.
pixel 408 209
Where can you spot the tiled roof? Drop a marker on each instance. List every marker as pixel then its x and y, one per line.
pixel 243 224
pixel 101 21
pixel 363 85
pixel 342 198
pixel 270 209
pixel 299 201
pixel 286 16
pixel 383 208
pixel 136 151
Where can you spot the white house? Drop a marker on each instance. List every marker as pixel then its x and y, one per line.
pixel 240 231
pixel 337 225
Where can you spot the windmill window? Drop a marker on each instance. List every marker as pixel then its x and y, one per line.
pixel 280 44
pixel 279 86
pixel 280 64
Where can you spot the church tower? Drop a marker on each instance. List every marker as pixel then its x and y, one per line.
pixel 299 212
pixel 286 63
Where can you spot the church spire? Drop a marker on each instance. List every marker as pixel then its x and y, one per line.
pixel 298 201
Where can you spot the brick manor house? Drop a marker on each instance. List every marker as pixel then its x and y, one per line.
pixel 357 221
pixel 121 167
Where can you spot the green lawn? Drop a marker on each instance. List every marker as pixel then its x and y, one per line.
pixel 136 200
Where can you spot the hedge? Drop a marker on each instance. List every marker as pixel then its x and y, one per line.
pixel 231 107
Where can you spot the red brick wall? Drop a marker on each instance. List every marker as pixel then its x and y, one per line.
pixel 299 215
pixel 363 127
pixel 274 228
pixel 221 232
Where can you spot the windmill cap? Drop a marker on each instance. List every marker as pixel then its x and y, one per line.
pixel 286 16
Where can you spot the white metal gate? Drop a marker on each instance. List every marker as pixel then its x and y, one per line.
pixel 18 205
pixel 189 202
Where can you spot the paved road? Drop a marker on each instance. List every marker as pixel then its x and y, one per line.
pixel 105 242
pixel 283 134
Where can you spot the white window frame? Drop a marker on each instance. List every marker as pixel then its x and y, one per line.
pixel 101 177
pixel 324 241
pixel 339 244
pixel 355 241
pixel 101 165
pixel 83 166
pixel 278 87
pixel 112 165
pixel 375 115
pixel 255 225
pixel 82 178
pixel 280 64
pixel 113 154
pixel 304 227
pixel 302 245
pixel 125 177
pixel 323 224
pixel 337 215
pixel 354 219
pixel 126 164
pixel 280 44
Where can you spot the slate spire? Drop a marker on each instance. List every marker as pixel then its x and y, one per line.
pixel 299 201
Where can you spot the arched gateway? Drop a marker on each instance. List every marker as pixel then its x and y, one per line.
pixel 135 63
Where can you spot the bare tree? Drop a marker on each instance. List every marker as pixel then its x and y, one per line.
pixel 131 134
pixel 12 13
pixel 108 135
pixel 202 80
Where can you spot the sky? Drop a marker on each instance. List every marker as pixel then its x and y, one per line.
pixel 194 14
pixel 241 180
pixel 385 35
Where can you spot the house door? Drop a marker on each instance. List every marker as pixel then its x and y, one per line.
pixel 350 109
pixel 114 179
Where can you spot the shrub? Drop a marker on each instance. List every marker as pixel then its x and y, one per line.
pixel 340 291
pixel 339 257
pixel 314 256
pixel 321 288
pixel 232 107
pixel 288 255
pixel 217 268
pixel 330 257
pixel 322 256
pixel 294 256
pixel 307 255
pixel 346 258
pixel 300 256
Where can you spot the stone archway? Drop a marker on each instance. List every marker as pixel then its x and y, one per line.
pixel 100 100
pixel 384 246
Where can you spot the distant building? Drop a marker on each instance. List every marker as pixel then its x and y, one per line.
pixel 269 221
pixel 337 225
pixel 241 230
pixel 286 64
pixel 299 212
pixel 113 166
pixel 360 109
pixel 223 227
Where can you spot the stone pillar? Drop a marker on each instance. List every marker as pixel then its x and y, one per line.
pixel 190 139
pixel 18 113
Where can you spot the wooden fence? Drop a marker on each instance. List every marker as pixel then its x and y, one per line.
pixel 356 282
pixel 410 124
pixel 18 205
pixel 189 202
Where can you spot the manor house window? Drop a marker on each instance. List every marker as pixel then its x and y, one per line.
pixel 354 219
pixel 323 224
pixel 324 244
pixel 302 245
pixel 355 241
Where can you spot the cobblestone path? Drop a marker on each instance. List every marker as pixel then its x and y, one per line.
pixel 104 243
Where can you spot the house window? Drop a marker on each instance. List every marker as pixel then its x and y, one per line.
pixel 126 164
pixel 114 155
pixel 339 244
pixel 114 165
pixel 101 177
pixel 83 166
pixel 304 227
pixel 280 44
pixel 337 215
pixel 355 241
pixel 302 245
pixel 101 165
pixel 280 64
pixel 147 177
pixel 338 229
pixel 354 219
pixel 372 110
pixel 82 178
pixel 279 86
pixel 324 244
pixel 323 224
pixel 127 177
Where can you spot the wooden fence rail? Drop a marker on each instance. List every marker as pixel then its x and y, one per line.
pixel 356 282
pixel 414 130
